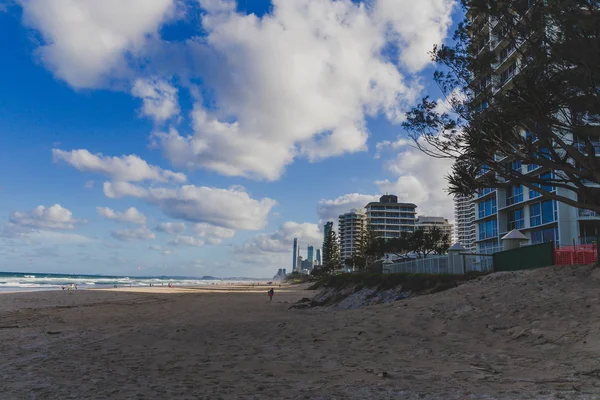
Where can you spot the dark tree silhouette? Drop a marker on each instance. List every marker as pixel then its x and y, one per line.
pixel 537 123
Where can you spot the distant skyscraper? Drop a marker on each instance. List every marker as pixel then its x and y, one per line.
pixel 310 254
pixel 318 256
pixel 326 232
pixel 295 254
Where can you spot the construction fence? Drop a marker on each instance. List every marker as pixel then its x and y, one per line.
pixel 576 255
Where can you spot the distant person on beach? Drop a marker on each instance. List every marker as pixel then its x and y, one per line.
pixel 271 293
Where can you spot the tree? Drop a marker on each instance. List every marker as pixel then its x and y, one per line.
pixel 331 248
pixel 537 124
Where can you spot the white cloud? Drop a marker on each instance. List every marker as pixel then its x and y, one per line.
pixel 142 233
pixel 161 250
pixel 54 217
pixel 212 234
pixel 330 210
pixel 115 190
pixel 231 208
pixel 132 215
pixel 416 26
pixel 172 228
pixel 421 180
pixel 159 99
pixel 281 241
pixel 300 81
pixel 125 168
pixel 87 42
pixel 186 241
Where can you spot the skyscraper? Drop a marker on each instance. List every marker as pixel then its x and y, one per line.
pixel 326 231
pixel 310 253
pixel 295 254
pixel 351 226
pixel 318 256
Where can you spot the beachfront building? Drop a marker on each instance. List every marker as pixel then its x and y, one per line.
pixel 351 227
pixel 464 215
pixel 498 211
pixel 388 218
pixel 310 253
pixel 326 231
pixel 427 223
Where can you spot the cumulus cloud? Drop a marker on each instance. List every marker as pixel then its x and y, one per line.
pixel 281 241
pixel 212 234
pixel 142 233
pixel 172 228
pixel 231 208
pixel 54 217
pixel 132 215
pixel 87 43
pixel 161 250
pixel 115 190
pixel 300 81
pixel 159 99
pixel 129 168
pixel 330 210
pixel 186 241
pixel 421 180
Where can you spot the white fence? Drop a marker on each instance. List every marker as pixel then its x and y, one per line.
pixel 454 264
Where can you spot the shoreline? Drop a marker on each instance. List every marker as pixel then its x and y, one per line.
pixel 140 289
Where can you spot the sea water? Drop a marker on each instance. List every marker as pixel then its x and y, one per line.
pixel 31 281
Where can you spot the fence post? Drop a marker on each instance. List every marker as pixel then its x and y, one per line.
pixel 598 249
pixel 464 260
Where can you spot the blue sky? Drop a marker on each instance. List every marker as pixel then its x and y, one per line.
pixel 200 137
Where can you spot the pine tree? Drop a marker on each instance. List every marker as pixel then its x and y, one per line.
pixel 331 248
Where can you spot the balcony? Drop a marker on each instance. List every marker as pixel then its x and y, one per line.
pixel 587 214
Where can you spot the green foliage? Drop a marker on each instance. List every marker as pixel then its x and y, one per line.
pixel 422 242
pixel 331 248
pixel 298 278
pixel 547 114
pixel 407 282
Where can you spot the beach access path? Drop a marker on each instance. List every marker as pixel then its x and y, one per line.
pixel 507 336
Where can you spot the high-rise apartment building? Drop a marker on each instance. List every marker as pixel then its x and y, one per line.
pixel 388 218
pixel 351 227
pixel 464 215
pixel 326 231
pixel 427 223
pixel 318 257
pixel 498 211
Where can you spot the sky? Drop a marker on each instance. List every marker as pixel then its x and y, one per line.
pixel 199 137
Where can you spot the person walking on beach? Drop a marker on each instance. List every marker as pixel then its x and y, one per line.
pixel 271 293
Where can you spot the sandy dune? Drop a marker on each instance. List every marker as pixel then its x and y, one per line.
pixel 531 335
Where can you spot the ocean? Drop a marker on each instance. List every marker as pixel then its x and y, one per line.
pixel 30 281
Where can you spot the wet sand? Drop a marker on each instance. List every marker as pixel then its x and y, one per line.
pixel 523 336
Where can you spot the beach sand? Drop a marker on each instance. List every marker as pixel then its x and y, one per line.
pixel 507 336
